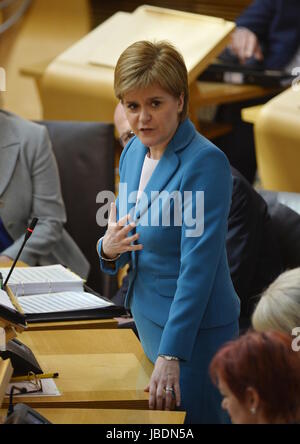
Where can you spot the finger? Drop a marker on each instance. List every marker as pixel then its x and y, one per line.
pixel 234 44
pixel 127 228
pixel 169 398
pixel 177 394
pixel 146 389
pixel 258 54
pixel 243 47
pixel 250 46
pixel 134 247
pixel 130 239
pixel 160 396
pixel 152 396
pixel 123 221
pixel 238 42
pixel 112 219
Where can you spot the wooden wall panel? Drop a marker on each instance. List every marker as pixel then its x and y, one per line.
pixel 228 9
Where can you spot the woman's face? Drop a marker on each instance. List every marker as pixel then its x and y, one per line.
pixel 153 115
pixel 238 412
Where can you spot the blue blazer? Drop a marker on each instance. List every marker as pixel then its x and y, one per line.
pixel 277 25
pixel 180 280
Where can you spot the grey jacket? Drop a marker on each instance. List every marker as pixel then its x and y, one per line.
pixel 30 187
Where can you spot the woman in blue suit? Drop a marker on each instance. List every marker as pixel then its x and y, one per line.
pixel 170 224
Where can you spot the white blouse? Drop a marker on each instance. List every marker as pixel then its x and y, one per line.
pixel 147 170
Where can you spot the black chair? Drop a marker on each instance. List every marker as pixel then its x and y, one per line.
pixel 284 209
pixel 85 156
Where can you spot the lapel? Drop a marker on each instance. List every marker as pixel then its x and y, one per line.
pixel 136 160
pixel 9 152
pixel 166 167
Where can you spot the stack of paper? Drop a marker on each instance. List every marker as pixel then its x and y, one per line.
pixel 52 289
pixel 63 301
pixel 47 279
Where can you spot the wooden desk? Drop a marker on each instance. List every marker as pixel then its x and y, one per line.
pixel 214 93
pixel 36 71
pixel 8 264
pixel 97 368
pixel 111 416
pixel 71 325
pixel 6 371
pixel 277 138
pixel 83 74
pixel 251 114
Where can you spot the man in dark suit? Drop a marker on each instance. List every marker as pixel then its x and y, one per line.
pixel 252 245
pixel 252 248
pixel 267 36
pixel 268 31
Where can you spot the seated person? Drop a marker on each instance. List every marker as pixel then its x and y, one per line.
pixel 267 36
pixel 279 306
pixel 258 376
pixel 252 249
pixel 30 187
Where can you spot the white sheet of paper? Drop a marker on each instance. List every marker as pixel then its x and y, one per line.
pixel 59 302
pixel 48 385
pixel 48 278
pixel 5 300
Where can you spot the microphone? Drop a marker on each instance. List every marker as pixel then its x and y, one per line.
pixel 30 229
pixel 28 233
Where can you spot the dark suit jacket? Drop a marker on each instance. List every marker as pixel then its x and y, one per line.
pixel 252 247
pixel 277 25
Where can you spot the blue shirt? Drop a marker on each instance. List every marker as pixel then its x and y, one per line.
pixel 5 239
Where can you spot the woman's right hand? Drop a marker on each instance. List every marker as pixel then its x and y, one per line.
pixel 116 240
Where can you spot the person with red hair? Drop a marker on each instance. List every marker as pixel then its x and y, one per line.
pixel 258 375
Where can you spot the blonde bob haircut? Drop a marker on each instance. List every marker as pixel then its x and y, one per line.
pixel 146 63
pixel 279 306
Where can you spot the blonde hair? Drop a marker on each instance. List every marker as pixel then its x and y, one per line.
pixel 145 63
pixel 279 306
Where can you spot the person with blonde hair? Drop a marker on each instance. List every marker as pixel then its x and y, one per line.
pixel 279 306
pixel 169 223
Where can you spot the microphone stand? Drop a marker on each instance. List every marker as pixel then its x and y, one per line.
pixel 22 358
pixel 27 236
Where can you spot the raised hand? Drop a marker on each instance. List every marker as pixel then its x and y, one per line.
pixel 116 240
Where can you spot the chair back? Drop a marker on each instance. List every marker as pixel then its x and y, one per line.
pixel 85 156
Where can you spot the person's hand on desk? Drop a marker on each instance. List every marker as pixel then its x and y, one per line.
pixel 164 389
pixel 245 45
pixel 116 240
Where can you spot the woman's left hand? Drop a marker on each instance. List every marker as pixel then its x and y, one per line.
pixel 164 386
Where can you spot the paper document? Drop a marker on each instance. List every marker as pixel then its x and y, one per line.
pixel 59 302
pixel 35 280
pixel 5 300
pixel 49 388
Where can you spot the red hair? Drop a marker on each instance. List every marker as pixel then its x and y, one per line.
pixel 266 362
